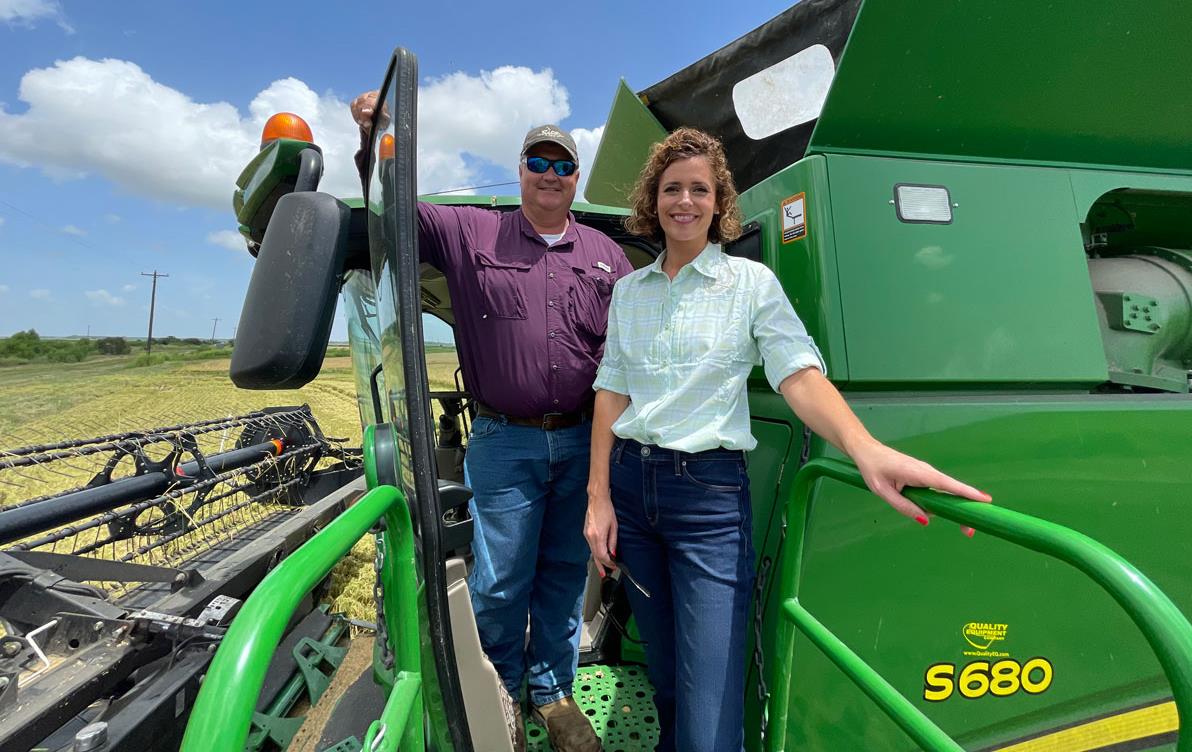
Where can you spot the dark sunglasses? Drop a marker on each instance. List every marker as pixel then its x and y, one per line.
pixel 539 165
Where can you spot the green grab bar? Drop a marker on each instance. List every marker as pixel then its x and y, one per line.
pixel 223 711
pixel 385 734
pixel 1165 628
pixel 918 726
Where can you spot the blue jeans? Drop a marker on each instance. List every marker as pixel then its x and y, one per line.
pixel 529 498
pixel 683 530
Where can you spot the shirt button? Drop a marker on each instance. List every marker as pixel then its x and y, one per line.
pixel 551 275
pixel 554 366
pixel 645 451
pixel 551 335
pixel 484 315
pixel 556 402
pixel 550 303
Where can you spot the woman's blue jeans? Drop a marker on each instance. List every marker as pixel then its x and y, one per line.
pixel 684 532
pixel 529 499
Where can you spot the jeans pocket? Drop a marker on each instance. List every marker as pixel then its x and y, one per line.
pixel 483 426
pixel 714 475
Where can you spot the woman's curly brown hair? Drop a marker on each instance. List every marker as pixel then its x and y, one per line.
pixel 685 143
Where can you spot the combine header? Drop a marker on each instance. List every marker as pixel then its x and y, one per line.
pixel 121 575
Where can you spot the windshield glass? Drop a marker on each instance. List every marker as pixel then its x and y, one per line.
pixel 364 337
pixel 382 236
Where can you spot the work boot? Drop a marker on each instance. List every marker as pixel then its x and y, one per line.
pixel 566 726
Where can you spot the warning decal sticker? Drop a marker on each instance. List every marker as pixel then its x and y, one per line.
pixel 794 218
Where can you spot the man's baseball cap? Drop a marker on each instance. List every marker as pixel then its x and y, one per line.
pixel 553 134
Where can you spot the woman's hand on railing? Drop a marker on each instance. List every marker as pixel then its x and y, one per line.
pixel 887 471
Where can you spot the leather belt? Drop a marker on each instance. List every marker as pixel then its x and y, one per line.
pixel 547 422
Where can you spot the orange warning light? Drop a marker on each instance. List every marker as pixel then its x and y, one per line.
pixel 286 125
pixel 387 148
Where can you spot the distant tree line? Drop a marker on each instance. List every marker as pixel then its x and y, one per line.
pixel 29 346
pixel 25 347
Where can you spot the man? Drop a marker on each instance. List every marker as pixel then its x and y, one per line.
pixel 530 290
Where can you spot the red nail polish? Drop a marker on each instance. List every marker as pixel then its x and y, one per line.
pixel 921 520
pixel 969 532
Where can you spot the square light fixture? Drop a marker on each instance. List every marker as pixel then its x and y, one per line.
pixel 923 204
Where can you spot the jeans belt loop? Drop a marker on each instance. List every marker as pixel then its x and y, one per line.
pixel 618 449
pixel 678 462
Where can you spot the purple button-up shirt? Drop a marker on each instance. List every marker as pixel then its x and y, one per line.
pixel 530 321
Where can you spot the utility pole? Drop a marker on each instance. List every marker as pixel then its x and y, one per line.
pixel 214 323
pixel 152 305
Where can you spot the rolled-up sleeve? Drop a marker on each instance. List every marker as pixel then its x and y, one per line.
pixel 782 340
pixel 610 376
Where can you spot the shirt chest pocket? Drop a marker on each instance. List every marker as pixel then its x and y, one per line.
pixel 502 285
pixel 711 328
pixel 591 292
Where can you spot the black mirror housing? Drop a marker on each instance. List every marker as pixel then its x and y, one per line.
pixel 288 311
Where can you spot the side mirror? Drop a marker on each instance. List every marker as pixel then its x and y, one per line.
pixel 287 315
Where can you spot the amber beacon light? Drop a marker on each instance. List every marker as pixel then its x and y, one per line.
pixel 388 147
pixel 285 125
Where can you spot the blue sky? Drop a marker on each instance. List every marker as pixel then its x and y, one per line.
pixel 123 126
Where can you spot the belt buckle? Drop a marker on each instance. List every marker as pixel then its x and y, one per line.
pixel 547 424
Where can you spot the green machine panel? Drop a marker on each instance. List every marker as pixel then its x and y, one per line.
pixel 1100 82
pixel 999 295
pixel 927 602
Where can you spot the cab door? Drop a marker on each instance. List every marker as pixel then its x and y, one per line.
pixel 390 198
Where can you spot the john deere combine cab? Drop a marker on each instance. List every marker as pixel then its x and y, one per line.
pixel 983 213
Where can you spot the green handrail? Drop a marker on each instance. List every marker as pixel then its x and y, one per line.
pixel 918 726
pixel 223 711
pixel 1165 628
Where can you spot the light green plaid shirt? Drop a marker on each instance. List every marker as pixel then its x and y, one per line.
pixel 682 350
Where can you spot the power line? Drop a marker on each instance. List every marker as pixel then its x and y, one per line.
pixel 152 305
pixel 470 188
pixel 45 225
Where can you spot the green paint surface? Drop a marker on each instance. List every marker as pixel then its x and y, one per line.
pixel 1111 467
pixel 1100 83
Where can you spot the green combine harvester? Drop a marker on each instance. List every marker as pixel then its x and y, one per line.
pixel 983 214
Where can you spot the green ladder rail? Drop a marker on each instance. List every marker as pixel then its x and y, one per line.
pixel 223 711
pixel 1165 628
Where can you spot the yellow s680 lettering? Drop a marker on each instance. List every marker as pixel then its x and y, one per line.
pixel 937 683
pixel 980 678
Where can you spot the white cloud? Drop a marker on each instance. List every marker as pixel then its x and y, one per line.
pixel 103 297
pixel 111 218
pixel 156 141
pixel 72 230
pixel 26 12
pixel 39 293
pixel 229 239
pixel 128 288
pixel 587 141
pixel 502 104
pixel 3 289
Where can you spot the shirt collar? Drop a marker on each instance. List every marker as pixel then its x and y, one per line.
pixel 569 235
pixel 707 263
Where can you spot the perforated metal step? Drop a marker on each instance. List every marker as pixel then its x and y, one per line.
pixel 620 702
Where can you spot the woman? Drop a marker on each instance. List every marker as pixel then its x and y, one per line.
pixel 667 489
